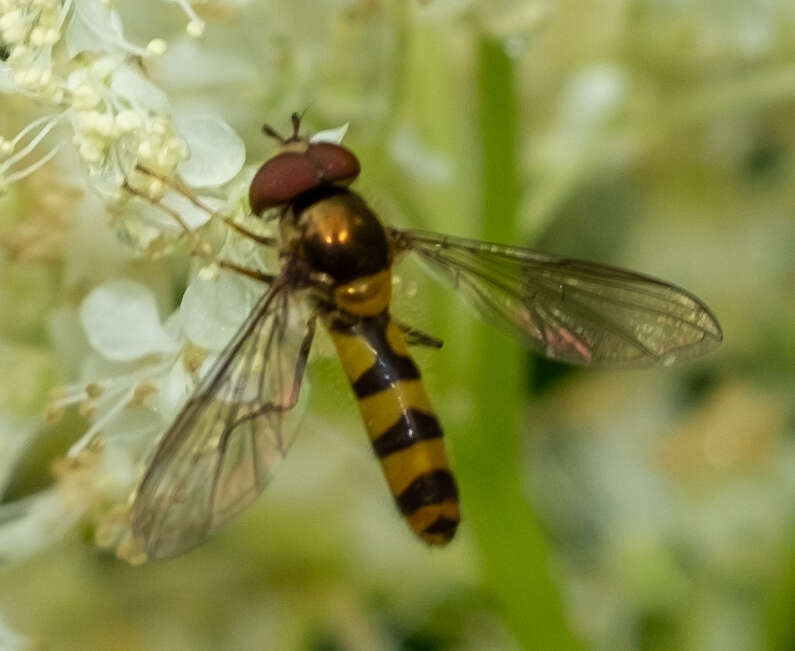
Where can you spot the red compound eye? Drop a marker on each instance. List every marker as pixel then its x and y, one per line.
pixel 289 174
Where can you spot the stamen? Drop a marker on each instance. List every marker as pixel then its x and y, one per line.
pixel 31 127
pixel 70 394
pixel 195 27
pixel 92 432
pixel 30 169
pixel 32 144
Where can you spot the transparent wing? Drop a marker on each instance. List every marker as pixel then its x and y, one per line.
pixel 571 310
pixel 218 454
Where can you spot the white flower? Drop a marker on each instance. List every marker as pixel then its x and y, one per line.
pixel 141 357
pixel 146 160
pixel 122 125
pixel 121 321
pixel 142 371
pixel 32 523
pixel 13 441
pixel 213 309
pixel 217 153
pixel 330 135
pixel 141 368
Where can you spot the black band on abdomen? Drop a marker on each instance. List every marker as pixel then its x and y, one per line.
pixel 387 371
pixel 412 426
pixel 443 526
pixel 431 488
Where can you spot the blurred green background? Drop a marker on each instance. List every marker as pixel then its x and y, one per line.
pixel 649 510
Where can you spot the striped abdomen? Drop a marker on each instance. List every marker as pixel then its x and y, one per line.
pixel 405 434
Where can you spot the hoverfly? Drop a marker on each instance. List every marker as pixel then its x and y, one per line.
pixel 336 260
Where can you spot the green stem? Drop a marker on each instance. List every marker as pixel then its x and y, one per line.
pixel 514 552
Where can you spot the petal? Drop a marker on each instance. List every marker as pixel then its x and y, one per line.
pixel 192 215
pixel 217 153
pixel 122 322
pixel 15 437
pixel 174 389
pixel 160 220
pixel 334 136
pixel 92 28
pixel 129 83
pixel 32 523
pixel 7 84
pixel 189 64
pixel 213 309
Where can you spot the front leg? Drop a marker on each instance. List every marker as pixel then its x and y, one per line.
pixel 415 337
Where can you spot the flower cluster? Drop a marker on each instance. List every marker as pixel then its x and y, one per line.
pixel 162 173
pixel 95 84
pixel 70 57
pixel 140 378
pixel 29 30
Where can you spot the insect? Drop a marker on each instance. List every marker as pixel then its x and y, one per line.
pixel 336 261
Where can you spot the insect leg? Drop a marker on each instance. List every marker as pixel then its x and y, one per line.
pixel 303 356
pixel 199 249
pixel 166 209
pixel 416 337
pixel 246 271
pixel 185 192
pixel 260 239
